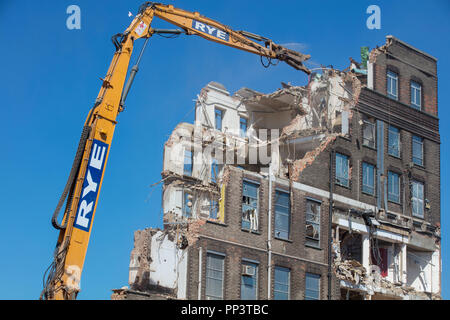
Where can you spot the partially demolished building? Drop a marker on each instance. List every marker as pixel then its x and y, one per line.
pixel 325 191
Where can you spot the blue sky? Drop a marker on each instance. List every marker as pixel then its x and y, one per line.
pixel 50 79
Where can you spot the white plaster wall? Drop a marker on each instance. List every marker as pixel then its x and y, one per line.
pixel 419 270
pixel 168 266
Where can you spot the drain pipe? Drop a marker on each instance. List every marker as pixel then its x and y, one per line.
pixel 269 238
pixel 200 260
pixel 330 221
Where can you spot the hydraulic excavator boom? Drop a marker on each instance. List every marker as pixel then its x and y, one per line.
pixel 62 278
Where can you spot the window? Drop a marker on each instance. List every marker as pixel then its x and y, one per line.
pixel 187 204
pixel 312 223
pixel 187 163
pixel 393 187
pixel 369 134
pixel 282 214
pixel 368 175
pixel 218 115
pixel 213 209
pixel 214 170
pixel 281 283
pixel 394 142
pixel 392 88
pixel 312 287
pixel 214 276
pixel 417 199
pixel 342 164
pixel 249 281
pixel 416 95
pixel 243 127
pixel 417 150
pixel 250 205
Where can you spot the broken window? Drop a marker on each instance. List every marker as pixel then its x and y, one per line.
pixel 281 283
pixel 379 257
pixel 417 198
pixel 282 214
pixel 312 223
pixel 312 286
pixel 417 150
pixel 394 142
pixel 342 166
pixel 392 85
pixel 249 281
pixel 213 209
pixel 218 116
pixel 187 204
pixel 243 127
pixel 368 183
pixel 250 205
pixel 187 163
pixel 214 276
pixel 416 95
pixel 368 134
pixel 393 187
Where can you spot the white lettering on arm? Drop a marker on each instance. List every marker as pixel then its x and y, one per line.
pixel 97 157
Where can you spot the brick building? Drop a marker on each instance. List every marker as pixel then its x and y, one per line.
pixel 247 190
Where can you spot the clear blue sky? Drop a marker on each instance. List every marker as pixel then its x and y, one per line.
pixel 50 79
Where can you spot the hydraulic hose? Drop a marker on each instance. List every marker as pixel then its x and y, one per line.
pixel 70 185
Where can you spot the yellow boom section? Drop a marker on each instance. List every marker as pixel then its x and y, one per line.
pixel 62 279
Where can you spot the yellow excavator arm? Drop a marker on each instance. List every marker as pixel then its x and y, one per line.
pixel 62 278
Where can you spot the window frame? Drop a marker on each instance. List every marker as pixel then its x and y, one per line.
pixel 420 201
pixel 191 164
pixel 394 130
pixel 392 173
pixel 363 185
pixel 311 241
pixel 392 76
pixel 222 271
pixel 222 114
pixel 277 213
pixel 243 134
pixel 288 284
pixel 417 140
pixel 374 131
pixel 318 290
pixel 414 90
pixel 256 277
pixel 337 178
pixel 245 181
pixel 186 194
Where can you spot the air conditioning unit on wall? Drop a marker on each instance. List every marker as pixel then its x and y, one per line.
pixel 248 271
